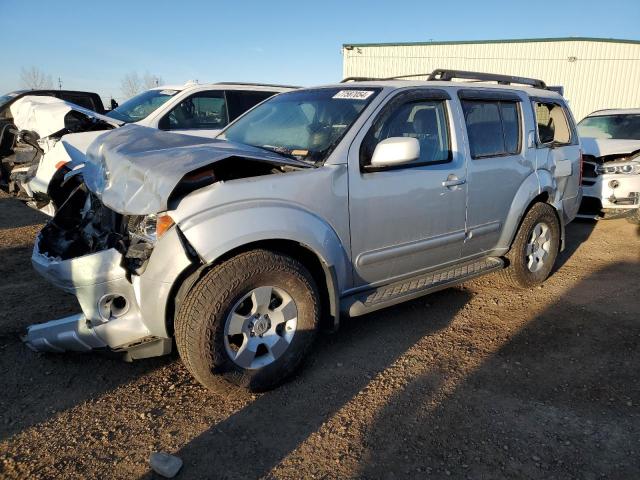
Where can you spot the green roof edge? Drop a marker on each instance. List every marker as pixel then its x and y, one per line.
pixel 512 40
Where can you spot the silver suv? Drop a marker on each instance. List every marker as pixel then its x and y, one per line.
pixel 318 203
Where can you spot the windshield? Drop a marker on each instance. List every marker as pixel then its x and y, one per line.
pixel 141 106
pixel 306 124
pixel 619 127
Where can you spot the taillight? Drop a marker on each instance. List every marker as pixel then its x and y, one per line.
pixel 61 164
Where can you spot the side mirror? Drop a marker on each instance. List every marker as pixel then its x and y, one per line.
pixel 395 151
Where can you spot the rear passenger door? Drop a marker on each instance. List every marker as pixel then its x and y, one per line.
pixel 498 166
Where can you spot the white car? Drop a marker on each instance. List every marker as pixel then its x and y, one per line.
pixel 611 171
pixel 61 140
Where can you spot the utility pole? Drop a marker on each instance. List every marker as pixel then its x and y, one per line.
pixel 59 83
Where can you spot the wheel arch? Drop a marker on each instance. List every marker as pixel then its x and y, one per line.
pixel 539 187
pixel 322 272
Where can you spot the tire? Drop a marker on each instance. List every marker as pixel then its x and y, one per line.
pixel 523 269
pixel 223 320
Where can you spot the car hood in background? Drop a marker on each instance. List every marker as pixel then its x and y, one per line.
pixel 601 147
pixel 46 115
pixel 134 169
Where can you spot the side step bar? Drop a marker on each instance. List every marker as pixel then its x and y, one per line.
pixel 417 286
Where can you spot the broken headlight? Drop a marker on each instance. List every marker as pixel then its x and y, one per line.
pixel 625 168
pixel 149 228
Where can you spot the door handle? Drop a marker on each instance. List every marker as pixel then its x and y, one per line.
pixel 453 181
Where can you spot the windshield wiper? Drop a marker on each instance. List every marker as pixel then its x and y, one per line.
pixel 285 152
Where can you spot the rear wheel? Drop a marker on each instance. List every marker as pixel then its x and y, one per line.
pixel 248 322
pixel 535 248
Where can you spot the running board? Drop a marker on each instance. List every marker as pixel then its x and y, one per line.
pixel 414 287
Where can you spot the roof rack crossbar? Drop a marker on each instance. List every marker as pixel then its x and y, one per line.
pixel 447 75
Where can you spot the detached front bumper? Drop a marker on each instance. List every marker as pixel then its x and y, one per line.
pixel 121 311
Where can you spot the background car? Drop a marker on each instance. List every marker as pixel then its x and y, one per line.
pixel 190 109
pixel 611 177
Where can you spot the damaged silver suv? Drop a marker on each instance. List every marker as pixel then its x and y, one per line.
pixel 318 203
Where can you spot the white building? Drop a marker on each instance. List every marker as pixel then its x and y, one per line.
pixel 596 73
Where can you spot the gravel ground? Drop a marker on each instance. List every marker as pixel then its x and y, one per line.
pixel 478 381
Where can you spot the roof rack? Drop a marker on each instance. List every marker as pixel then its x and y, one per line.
pixel 379 79
pixel 360 79
pixel 446 75
pixel 250 84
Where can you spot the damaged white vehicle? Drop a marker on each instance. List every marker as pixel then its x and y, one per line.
pixel 611 170
pixel 43 140
pixel 49 145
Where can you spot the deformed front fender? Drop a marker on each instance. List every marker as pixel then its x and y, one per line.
pixel 215 232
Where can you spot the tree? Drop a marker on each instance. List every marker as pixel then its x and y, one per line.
pixel 34 78
pixel 132 83
pixel 151 81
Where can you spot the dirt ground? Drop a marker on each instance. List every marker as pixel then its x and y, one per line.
pixel 478 381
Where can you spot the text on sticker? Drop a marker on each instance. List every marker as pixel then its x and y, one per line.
pixel 353 94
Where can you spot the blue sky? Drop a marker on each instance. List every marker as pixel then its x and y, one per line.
pixel 92 45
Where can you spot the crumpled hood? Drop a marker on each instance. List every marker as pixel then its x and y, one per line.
pixel 45 115
pixel 134 169
pixel 601 147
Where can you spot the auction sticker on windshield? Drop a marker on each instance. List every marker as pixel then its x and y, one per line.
pixel 354 94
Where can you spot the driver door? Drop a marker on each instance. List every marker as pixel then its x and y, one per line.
pixel 409 218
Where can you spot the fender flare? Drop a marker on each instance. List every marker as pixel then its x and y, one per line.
pixel 536 184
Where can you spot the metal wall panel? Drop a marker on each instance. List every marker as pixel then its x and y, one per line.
pixel 595 74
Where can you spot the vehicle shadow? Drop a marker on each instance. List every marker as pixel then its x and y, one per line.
pixel 577 232
pixel 558 400
pixel 14 214
pixel 251 442
pixel 36 386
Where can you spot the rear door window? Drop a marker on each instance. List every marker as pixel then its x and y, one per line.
pixel 493 127
pixel 240 101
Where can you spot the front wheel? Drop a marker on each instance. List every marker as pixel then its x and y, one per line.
pixel 535 248
pixel 249 321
